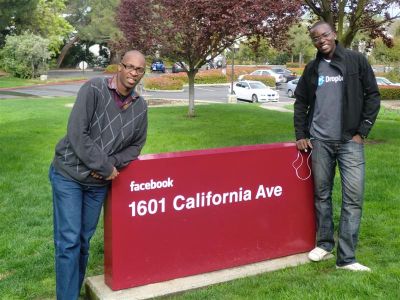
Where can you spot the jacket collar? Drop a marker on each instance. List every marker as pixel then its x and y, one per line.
pixel 337 59
pixel 338 54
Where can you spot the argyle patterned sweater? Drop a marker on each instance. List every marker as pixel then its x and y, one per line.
pixel 100 135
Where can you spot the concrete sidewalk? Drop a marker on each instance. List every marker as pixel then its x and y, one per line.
pixel 278 106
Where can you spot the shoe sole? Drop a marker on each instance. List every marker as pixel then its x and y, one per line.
pixel 326 257
pixel 342 268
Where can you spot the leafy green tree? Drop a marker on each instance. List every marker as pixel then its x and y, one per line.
pixel 94 22
pixel 47 20
pixel 300 44
pixel 386 55
pixel 25 56
pixel 12 15
pixel 102 27
pixel 350 17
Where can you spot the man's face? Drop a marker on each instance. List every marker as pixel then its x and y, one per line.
pixel 323 38
pixel 131 70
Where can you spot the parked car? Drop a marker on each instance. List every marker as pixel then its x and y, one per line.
pixel 177 67
pixel 254 91
pixel 287 74
pixel 267 72
pixel 157 66
pixel 385 81
pixel 291 86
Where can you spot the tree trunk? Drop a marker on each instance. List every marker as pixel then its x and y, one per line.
pixel 65 50
pixel 300 59
pixel 191 74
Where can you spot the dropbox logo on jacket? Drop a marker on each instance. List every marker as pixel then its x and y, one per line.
pixel 326 79
pixel 321 80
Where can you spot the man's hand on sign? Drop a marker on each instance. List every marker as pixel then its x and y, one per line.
pixel 95 175
pixel 113 175
pixel 303 144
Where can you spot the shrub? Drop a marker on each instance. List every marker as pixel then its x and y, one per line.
pixel 162 83
pixel 267 80
pixel 25 56
pixel 390 92
pixel 178 77
pixel 294 65
pixel 298 71
pixel 210 76
pixel 111 69
pixel 393 75
pixel 202 77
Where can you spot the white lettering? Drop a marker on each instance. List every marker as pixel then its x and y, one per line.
pixel 268 192
pixel 142 208
pixel 334 79
pixel 175 202
pixel 151 185
pixel 203 199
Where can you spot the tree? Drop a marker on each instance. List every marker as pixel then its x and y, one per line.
pixel 102 28
pixel 385 55
pixel 299 43
pixel 25 56
pixel 352 16
pixel 47 20
pixel 12 14
pixel 193 31
pixel 94 22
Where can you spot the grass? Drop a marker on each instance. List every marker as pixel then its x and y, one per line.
pixel 30 129
pixel 11 82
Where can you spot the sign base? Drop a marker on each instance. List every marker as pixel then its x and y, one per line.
pixel 97 289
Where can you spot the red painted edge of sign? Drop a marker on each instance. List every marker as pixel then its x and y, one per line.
pixel 216 150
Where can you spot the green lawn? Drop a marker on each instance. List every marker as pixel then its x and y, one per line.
pixel 11 82
pixel 29 130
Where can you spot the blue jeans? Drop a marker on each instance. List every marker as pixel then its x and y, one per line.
pixel 77 208
pixel 350 158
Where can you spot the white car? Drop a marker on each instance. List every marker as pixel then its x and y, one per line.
pixel 385 81
pixel 254 91
pixel 291 86
pixel 267 72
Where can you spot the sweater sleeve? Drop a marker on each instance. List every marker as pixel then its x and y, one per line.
pixel 79 129
pixel 125 156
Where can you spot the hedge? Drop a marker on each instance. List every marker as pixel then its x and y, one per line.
pixel 390 92
pixel 162 83
pixel 111 69
pixel 202 77
pixel 294 65
pixel 210 76
pixel 267 80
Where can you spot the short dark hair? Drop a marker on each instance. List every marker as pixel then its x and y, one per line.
pixel 321 22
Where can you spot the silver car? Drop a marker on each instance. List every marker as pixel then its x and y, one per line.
pixel 291 86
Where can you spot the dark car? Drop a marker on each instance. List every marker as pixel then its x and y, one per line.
pixel 177 67
pixel 158 66
pixel 286 73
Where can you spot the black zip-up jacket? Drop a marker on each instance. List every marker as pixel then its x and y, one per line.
pixel 361 98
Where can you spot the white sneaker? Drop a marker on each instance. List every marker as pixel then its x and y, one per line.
pixel 318 254
pixel 355 267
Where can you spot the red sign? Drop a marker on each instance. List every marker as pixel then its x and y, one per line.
pixel 178 214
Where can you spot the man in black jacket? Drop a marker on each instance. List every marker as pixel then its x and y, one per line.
pixel 337 102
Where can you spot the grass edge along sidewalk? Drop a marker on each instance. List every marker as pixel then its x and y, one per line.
pixel 30 129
